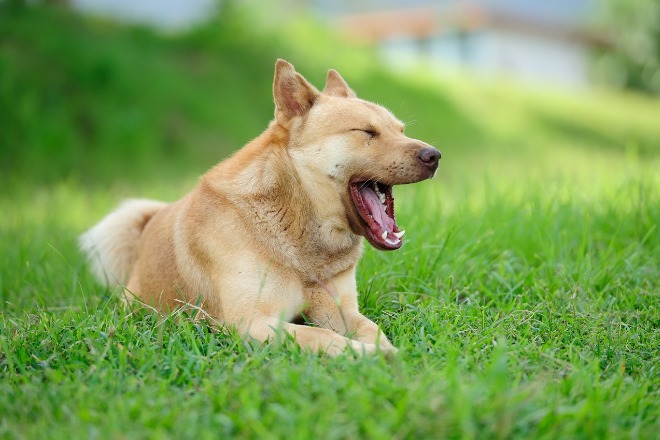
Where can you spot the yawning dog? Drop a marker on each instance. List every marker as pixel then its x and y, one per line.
pixel 275 231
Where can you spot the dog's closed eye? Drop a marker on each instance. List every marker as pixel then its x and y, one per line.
pixel 370 131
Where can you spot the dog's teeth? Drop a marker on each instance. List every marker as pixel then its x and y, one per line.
pixel 384 235
pixel 399 234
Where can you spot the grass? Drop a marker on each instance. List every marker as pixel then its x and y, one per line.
pixel 531 317
pixel 525 300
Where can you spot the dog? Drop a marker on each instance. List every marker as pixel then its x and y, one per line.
pixel 274 232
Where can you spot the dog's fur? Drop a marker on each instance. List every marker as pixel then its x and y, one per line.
pixel 274 231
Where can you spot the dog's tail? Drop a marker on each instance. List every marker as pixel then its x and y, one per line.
pixel 111 246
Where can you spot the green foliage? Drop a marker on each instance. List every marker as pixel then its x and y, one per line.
pixel 633 60
pixel 88 99
pixel 525 299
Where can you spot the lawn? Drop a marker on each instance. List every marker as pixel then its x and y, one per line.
pixel 525 301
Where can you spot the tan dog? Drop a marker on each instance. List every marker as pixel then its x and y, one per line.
pixel 274 231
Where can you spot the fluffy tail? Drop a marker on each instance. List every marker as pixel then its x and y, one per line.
pixel 111 246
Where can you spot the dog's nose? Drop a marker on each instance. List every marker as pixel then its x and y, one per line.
pixel 429 155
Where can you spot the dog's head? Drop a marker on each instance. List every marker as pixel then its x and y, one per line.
pixel 352 151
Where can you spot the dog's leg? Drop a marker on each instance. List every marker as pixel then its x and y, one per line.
pixel 334 306
pixel 312 338
pixel 264 315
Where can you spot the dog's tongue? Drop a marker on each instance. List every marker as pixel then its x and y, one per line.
pixel 377 209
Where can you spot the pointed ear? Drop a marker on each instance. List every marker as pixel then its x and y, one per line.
pixel 336 86
pixel 294 96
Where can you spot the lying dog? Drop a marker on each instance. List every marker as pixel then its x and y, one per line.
pixel 274 231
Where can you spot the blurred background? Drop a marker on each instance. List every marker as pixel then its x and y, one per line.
pixel 100 91
pixel 547 115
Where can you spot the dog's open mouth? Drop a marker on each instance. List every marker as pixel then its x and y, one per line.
pixel 375 204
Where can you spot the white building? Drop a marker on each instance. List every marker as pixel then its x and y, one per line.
pixel 532 40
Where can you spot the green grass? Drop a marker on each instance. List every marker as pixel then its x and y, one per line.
pixel 525 302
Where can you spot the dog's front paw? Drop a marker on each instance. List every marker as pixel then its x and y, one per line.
pixel 384 349
pixel 388 350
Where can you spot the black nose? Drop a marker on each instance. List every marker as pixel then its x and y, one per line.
pixel 429 156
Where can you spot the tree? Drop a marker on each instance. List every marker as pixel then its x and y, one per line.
pixel 633 58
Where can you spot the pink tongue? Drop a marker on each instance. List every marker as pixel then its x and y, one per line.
pixel 377 209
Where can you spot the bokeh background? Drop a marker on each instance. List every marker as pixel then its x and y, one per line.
pixel 531 103
pixel 101 91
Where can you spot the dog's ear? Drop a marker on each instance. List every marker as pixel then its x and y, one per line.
pixel 336 86
pixel 294 96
